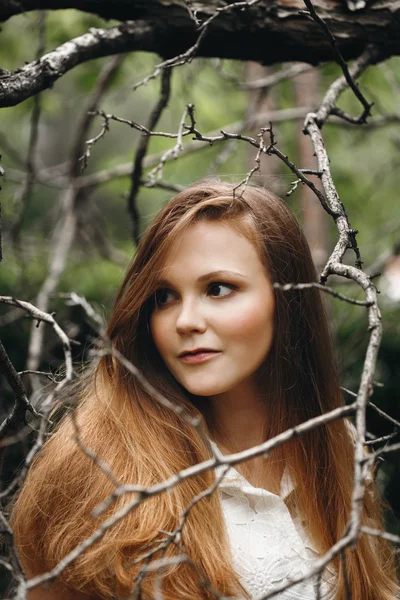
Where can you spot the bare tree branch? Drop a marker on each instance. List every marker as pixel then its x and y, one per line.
pixel 22 404
pixel 141 494
pixel 25 192
pixel 152 161
pixel 48 402
pixel 137 170
pixel 323 288
pixel 56 175
pixel 369 56
pixel 271 35
pixel 205 30
pixel 340 60
pixel 67 224
pixel 41 74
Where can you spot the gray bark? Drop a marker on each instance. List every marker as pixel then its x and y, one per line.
pixel 269 32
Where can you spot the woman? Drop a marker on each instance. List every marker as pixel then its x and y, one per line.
pixel 198 315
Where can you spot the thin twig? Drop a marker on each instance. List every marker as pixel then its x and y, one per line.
pixel 24 194
pixel 73 198
pixel 323 288
pixel 137 170
pixel 340 60
pixel 141 493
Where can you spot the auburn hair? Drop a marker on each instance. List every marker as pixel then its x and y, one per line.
pixel 144 443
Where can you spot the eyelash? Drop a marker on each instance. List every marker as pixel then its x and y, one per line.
pixel 158 293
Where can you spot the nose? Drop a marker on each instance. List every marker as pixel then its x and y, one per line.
pixel 190 318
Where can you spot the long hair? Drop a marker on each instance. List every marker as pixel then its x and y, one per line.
pixel 144 443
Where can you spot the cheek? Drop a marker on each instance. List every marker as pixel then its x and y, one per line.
pixel 252 324
pixel 159 333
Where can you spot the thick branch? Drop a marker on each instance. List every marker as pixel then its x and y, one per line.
pixel 269 32
pixel 17 86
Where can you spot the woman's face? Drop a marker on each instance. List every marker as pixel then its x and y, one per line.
pixel 214 295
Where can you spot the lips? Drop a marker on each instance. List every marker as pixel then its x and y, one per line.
pixel 196 351
pixel 198 356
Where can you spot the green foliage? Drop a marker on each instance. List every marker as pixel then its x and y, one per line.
pixel 101 281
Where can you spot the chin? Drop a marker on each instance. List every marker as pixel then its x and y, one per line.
pixel 205 389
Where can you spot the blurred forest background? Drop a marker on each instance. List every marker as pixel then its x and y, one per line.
pixel 365 162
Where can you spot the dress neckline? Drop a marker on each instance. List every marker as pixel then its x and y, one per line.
pixel 234 479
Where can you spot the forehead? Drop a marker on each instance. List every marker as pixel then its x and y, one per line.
pixel 211 246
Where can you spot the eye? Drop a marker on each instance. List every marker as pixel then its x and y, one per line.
pixel 219 289
pixel 162 297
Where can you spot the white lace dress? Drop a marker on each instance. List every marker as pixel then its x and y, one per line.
pixel 269 547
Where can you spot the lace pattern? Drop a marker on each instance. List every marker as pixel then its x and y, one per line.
pixel 269 547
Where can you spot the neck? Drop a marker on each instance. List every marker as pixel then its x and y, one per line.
pixel 237 421
pixel 237 418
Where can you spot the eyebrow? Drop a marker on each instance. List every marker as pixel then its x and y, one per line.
pixel 211 275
